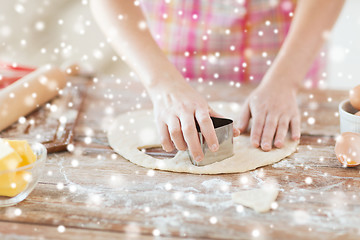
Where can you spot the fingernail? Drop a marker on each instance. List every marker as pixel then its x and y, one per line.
pixel 214 147
pixel 278 143
pixel 167 149
pixel 198 159
pixel 266 146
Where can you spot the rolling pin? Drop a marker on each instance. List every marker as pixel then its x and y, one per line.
pixel 28 93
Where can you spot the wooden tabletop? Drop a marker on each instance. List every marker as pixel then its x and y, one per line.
pixel 93 193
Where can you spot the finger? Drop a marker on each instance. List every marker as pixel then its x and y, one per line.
pixel 207 129
pixel 245 117
pixel 215 114
pixel 257 129
pixel 191 137
pixel 165 138
pixel 295 128
pixel 267 137
pixel 236 132
pixel 281 131
pixel 176 133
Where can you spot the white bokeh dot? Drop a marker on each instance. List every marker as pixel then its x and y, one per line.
pixel 61 229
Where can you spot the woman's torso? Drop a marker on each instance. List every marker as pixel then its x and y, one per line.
pixel 222 40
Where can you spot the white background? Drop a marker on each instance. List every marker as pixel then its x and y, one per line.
pixel 344 49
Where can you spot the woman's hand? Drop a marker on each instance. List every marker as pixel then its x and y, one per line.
pixel 176 107
pixel 273 109
pixel 273 104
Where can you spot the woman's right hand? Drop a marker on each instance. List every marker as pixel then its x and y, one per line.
pixel 176 104
pixel 176 107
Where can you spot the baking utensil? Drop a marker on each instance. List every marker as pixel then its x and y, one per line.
pixel 64 134
pixel 28 93
pixel 224 132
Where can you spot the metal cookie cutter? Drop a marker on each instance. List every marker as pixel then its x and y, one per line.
pixel 224 132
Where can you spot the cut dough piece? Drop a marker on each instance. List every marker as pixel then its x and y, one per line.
pixel 133 130
pixel 258 199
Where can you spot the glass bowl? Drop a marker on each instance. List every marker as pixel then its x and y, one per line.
pixel 17 184
pixel 349 122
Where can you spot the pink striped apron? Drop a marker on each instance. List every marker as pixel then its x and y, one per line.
pixel 223 40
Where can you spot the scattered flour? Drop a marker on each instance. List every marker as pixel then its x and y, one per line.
pixel 215 183
pixel 284 164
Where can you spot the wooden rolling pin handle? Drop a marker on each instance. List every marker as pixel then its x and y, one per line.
pixel 28 93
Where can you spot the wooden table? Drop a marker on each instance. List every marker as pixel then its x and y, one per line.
pixel 92 193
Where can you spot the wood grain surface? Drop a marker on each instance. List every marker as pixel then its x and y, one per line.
pixel 93 193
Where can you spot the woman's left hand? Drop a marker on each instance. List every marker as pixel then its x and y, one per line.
pixel 273 109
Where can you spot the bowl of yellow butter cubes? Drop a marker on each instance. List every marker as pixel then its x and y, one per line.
pixel 21 166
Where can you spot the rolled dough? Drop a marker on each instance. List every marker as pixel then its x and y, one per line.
pixel 133 130
pixel 258 199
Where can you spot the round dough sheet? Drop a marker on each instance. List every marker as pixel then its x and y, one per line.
pixel 133 130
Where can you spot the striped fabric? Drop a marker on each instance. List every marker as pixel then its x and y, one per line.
pixel 222 40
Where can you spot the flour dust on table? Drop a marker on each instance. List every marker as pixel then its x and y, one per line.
pixel 135 130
